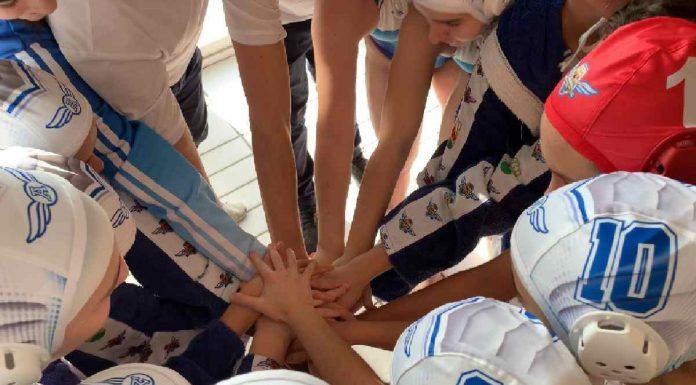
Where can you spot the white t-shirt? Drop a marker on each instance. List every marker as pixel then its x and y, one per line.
pixel 131 52
pixel 259 22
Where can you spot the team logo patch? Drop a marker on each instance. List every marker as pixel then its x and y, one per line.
pixel 406 225
pixel 491 188
pixel 468 98
pixel 120 216
pixel 427 178
pixel 466 189
pixel 432 211
pixel 163 228
pixel 226 279
pixel 173 344
pixel 456 127
pixel 100 334
pixel 42 197
pixel 408 341
pixel 573 83
pixel 536 153
pixel 116 341
pixel 537 216
pixel 384 238
pixel 511 166
pixel 187 251
pixel 142 352
pixel 65 113
pixel 477 377
pixel 137 207
pixel 131 379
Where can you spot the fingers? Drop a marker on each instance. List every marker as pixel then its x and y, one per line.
pixel 322 269
pixel 309 271
pixel 319 269
pixel 276 260
pixel 333 310
pixel 302 264
pixel 326 283
pixel 254 303
pixel 332 295
pixel 261 267
pixel 292 261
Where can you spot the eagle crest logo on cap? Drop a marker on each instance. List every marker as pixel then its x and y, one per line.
pixel 477 377
pixel 65 113
pixel 132 379
pixel 537 216
pixel 573 83
pixel 42 197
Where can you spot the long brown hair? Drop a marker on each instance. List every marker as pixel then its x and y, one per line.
pixel 637 10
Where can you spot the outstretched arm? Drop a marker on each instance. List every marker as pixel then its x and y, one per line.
pixel 337 28
pixel 265 78
pixel 493 279
pixel 409 81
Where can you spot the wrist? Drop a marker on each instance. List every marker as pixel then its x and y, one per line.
pixel 331 247
pixel 253 287
pixel 371 264
pixel 300 314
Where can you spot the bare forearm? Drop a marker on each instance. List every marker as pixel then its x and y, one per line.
pixel 271 340
pixel 378 334
pixel 378 183
pixel 239 318
pixel 264 68
pixel 335 360
pixel 332 172
pixel 278 183
pixel 492 279
pixel 337 28
pixel 409 81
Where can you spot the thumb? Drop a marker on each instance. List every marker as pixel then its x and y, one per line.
pixel 254 303
pixel 367 298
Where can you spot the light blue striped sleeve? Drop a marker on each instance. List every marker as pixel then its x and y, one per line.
pixel 142 163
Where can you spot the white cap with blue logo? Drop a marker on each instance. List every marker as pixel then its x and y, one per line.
pixel 136 374
pixel 37 110
pixel 481 341
pixel 55 246
pixel 610 262
pixel 274 377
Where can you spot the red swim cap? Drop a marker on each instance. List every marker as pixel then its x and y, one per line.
pixel 630 105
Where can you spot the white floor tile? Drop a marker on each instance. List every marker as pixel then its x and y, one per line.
pixel 233 177
pixel 264 238
pixel 255 222
pixel 249 195
pixel 224 155
pixel 219 132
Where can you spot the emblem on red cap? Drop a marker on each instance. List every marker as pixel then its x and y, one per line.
pixel 573 82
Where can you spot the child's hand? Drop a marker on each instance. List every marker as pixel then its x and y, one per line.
pixel 348 274
pixel 285 289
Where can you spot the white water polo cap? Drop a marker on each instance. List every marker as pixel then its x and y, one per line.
pixel 136 374
pixel 274 377
pixel 54 252
pixel 483 10
pixel 85 179
pixel 37 110
pixel 481 341
pixel 610 261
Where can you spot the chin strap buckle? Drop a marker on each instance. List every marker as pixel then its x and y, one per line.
pixel 618 347
pixel 21 364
